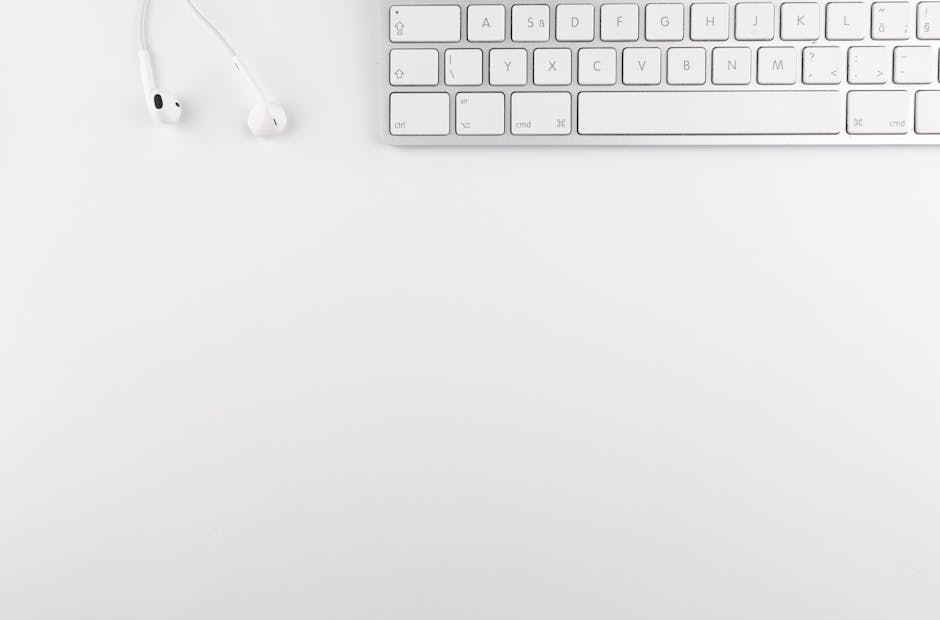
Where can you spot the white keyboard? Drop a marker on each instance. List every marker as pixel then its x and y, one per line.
pixel 557 72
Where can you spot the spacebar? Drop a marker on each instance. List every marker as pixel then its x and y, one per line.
pixel 665 113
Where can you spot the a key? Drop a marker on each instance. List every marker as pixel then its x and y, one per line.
pixel 486 24
pixel 799 21
pixel 530 22
pixel 731 66
pixel 928 20
pixel 620 22
pixel 424 24
pixel 776 65
pixel 664 22
pixel 914 65
pixel 574 22
pixel 891 21
pixel 685 66
pixel 541 114
pixel 869 65
pixel 552 67
pixel 420 114
pixel 508 67
pixel 823 65
pixel 846 21
pixel 710 21
pixel 754 21
pixel 597 67
pixel 642 66
pixel 879 112
pixel 481 114
pixel 463 67
pixel 711 112
pixel 927 112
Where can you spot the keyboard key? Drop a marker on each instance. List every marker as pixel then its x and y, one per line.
pixel 463 67
pixel 424 24
pixel 597 67
pixel 486 24
pixel 891 21
pixel 530 23
pixel 928 20
pixel 799 21
pixel 508 67
pixel 879 112
pixel 754 21
pixel 846 21
pixel 711 113
pixel 869 65
pixel 620 22
pixel 414 68
pixel 927 112
pixel 823 65
pixel 420 114
pixel 642 66
pixel 776 65
pixel 481 114
pixel 541 114
pixel 664 22
pixel 731 66
pixel 685 66
pixel 574 22
pixel 914 65
pixel 710 22
pixel 552 67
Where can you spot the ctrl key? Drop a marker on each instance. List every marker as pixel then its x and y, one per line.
pixel 419 114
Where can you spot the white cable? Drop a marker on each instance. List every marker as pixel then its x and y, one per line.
pixel 211 27
pixel 145 16
pixel 144 13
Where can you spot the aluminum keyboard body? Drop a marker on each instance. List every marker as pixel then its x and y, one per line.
pixel 621 73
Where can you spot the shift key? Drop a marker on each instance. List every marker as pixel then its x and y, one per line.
pixel 424 24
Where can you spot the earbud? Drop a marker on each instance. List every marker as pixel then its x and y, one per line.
pixel 164 106
pixel 267 118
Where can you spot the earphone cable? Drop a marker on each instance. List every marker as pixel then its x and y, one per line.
pixel 211 27
pixel 145 15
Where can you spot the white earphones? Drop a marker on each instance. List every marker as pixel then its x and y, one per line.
pixel 164 106
pixel 267 118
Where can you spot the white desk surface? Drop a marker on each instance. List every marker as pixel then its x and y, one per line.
pixel 323 378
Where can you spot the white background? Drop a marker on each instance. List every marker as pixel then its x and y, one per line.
pixel 320 377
